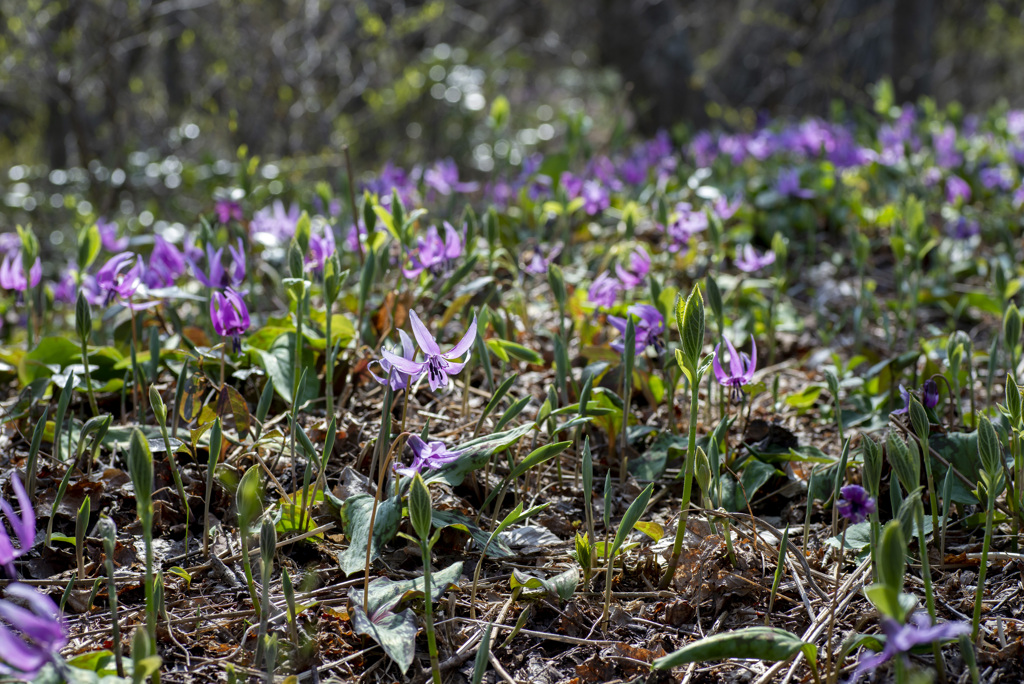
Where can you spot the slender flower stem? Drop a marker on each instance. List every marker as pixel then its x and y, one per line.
pixel 929 595
pixel 428 613
pixel 691 456
pixel 979 593
pixel 93 406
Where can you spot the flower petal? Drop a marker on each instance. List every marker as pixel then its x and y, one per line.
pixel 464 344
pixel 749 375
pixel 717 366
pixel 735 361
pixel 423 337
pixel 403 364
pixel 408 348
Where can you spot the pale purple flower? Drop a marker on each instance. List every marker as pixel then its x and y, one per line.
pixel 433 254
pixel 216 277
pixel 238 268
pixel 393 179
pixel 636 270
pixel 65 289
pixel 929 397
pixel 604 290
pixel 595 197
pixel 724 209
pixel 120 277
pixel 856 504
pixel 356 236
pixel 274 226
pixel 957 189
pixel 228 210
pixel 741 368
pixel 23 526
pixel 230 316
pixel 398 379
pixel 944 142
pixel 444 178
pixel 686 223
pixel 321 247
pixel 997 177
pixel 42 630
pixel 750 261
pixel 648 326
pixel 12 273
pixel 788 184
pixel 539 263
pixel 439 366
pixel 963 229
pixel 572 184
pixel 428 456
pixel 900 639
pixel 704 149
pixel 108 236
pixel 166 263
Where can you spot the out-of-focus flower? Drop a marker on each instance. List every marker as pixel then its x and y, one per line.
pixel 997 177
pixel 439 366
pixel 24 527
pixel 230 316
pixel 12 273
pixel 108 236
pixel 856 504
pixel 434 254
pixel 227 210
pixel 741 368
pixel 788 184
pixel 637 269
pixel 749 260
pixel 321 247
pixel 443 177
pixel 166 263
pixel 724 209
pixel 900 639
pixel 704 149
pixel 428 456
pixel 120 277
pixel 604 290
pixel 595 197
pixel 274 226
pixel 929 397
pixel 539 263
pixel 649 326
pixel 571 184
pixel 356 235
pixel 946 155
pixel 957 189
pixel 216 277
pixel 398 379
pixel 963 229
pixel 64 290
pixel 42 632
pixel 393 179
pixel 686 223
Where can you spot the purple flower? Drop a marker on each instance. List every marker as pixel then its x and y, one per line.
pixel 704 149
pixel 572 184
pixel 321 247
pixel 724 209
pixel 274 226
pixel 230 316
pixel 12 273
pixel 40 624
pixel 595 197
pixel 227 210
pixel 648 327
pixel 741 368
pixel 166 263
pixel 750 261
pixel 963 229
pixel 444 178
pixel 399 380
pixel 64 290
pixel 238 269
pixel 929 397
pixel 538 263
pixel 438 366
pixel 427 456
pixel 356 235
pixel 944 142
pixel 788 184
pixel 120 277
pixel 957 189
pixel 637 270
pixel 393 178
pixel 685 225
pixel 856 504
pixel 434 254
pixel 108 236
pixel 24 527
pixel 604 290
pixel 997 177
pixel 900 639
pixel 216 277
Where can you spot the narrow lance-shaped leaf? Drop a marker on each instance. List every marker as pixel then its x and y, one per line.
pixel 763 643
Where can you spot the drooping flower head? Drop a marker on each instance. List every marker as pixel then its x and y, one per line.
pixel 23 526
pixel 788 185
pixel 443 177
pixel 228 210
pixel 741 368
pixel 604 290
pixel 120 277
pixel 321 247
pixel 398 379
pixel 929 396
pixel 42 632
pixel 230 316
pixel 750 261
pixel 428 456
pixel 12 273
pixel 900 639
pixel 108 236
pixel 439 366
pixel 166 263
pixel 856 504
pixel 539 263
pixel 637 269
pixel 433 254
pixel 649 325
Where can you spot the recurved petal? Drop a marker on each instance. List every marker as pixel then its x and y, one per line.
pixel 464 344
pixel 401 363
pixel 423 337
pixel 716 365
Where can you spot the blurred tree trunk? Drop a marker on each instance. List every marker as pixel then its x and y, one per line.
pixel 646 41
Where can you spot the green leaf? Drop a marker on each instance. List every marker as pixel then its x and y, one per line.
pixel 476 453
pixel 356 516
pixel 632 516
pixel 496 548
pixel 690 323
pixel 279 364
pixel 762 643
pixel 420 507
pixel 805 398
pixel 988 447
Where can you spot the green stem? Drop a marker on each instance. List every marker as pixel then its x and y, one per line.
pixel 980 591
pixel 428 613
pixel 93 406
pixel 929 596
pixel 691 453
